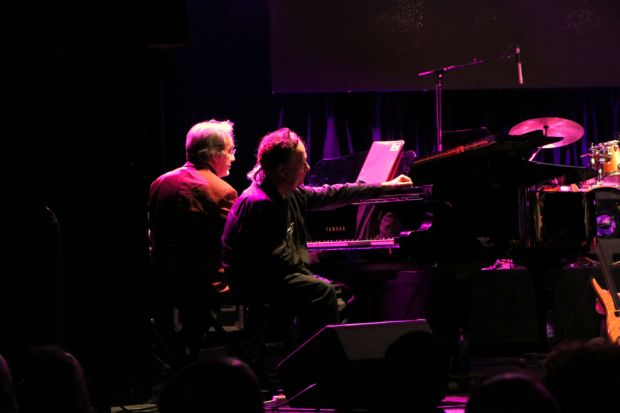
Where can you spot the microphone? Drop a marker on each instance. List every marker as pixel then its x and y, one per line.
pixel 519 67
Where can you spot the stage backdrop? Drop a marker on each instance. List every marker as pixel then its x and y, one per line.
pixel 366 45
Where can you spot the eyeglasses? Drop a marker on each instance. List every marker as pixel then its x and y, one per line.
pixel 232 151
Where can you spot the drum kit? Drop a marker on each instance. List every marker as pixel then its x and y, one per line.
pixel 595 200
pixel 604 157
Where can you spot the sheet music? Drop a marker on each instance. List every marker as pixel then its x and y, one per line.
pixel 381 161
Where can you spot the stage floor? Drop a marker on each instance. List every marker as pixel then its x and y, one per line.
pixel 502 319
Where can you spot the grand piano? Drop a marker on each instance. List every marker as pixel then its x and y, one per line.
pixel 494 184
pixel 469 201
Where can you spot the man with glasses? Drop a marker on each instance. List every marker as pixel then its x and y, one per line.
pixel 187 210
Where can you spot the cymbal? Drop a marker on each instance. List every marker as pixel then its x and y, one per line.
pixel 566 129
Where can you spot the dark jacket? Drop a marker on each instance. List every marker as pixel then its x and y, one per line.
pixel 264 237
pixel 187 212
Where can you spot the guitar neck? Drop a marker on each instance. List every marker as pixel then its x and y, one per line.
pixel 609 279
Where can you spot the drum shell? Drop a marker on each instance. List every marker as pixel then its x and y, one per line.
pixel 612 150
pixel 561 220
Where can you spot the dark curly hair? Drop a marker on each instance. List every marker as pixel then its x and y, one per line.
pixel 275 148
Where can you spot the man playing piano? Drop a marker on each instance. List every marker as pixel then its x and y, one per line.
pixel 264 245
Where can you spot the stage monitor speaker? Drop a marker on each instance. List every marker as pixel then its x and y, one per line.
pixel 340 366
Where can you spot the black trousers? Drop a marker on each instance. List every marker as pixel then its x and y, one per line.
pixel 311 300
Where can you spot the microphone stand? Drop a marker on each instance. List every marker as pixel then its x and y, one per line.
pixel 439 73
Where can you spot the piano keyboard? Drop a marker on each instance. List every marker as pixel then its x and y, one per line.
pixel 353 244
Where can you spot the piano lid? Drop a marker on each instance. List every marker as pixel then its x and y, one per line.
pixel 495 160
pixel 538 172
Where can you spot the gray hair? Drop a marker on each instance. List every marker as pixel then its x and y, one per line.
pixel 205 139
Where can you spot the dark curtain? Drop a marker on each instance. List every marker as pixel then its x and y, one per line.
pixel 338 124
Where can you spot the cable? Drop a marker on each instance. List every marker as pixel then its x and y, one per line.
pixel 287 401
pixel 58 269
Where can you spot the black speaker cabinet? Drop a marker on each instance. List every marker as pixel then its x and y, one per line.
pixel 340 366
pixel 607 205
pixel 503 313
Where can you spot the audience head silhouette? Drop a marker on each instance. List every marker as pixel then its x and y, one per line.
pixel 7 394
pixel 417 367
pixel 52 380
pixel 512 393
pixel 214 385
pixel 584 375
